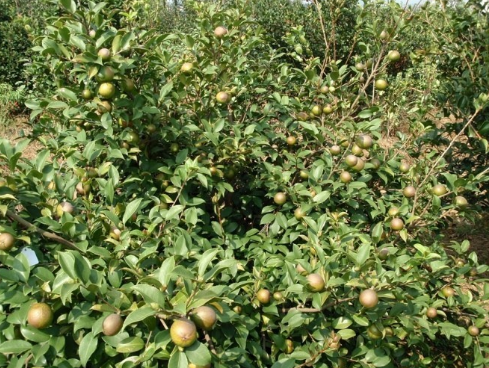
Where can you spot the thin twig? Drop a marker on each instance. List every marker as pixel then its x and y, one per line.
pixel 44 233
pixel 210 343
pixel 433 167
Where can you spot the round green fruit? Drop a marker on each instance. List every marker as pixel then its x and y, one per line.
pixel 461 202
pixel 393 55
pixel 409 191
pixel 351 160
pixel 303 116
pixel 64 207
pixel 220 32
pixel 404 167
pixel 304 175
pixel 133 137
pixel 263 296
pixel 6 241
pixel 345 177
pixel 335 150
pixel 104 106
pixel 192 365
pixel 174 147
pixel 368 298
pixel 327 109
pixel 115 233
pixel 364 141
pixel 375 163
pixel 104 54
pixel 356 150
pixel 393 211
pixel 183 332
pixel 397 224
pixel 324 89
pixel 128 85
pixel 204 317
pixel 359 166
pixel 299 214
pixel 315 282
pixel 316 110
pixel 374 333
pixel 384 35
pixel 439 190
pixel 300 269
pixel 473 331
pixel 86 94
pixel 280 198
pixel 112 324
pixel 360 67
pixel 105 74
pixel 431 312
pixel 383 254
pixel 381 84
pixel 40 315
pixel 82 188
pixel 278 296
pixel 106 90
pixel 291 140
pixel 289 346
pixel 186 67
pixel 447 291
pixel 223 97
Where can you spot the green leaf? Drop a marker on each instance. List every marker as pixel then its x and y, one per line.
pixel 284 363
pixel 178 360
pixel 198 354
pixel 138 315
pixel 321 197
pixel 34 334
pixel 166 269
pixel 363 253
pixel 67 263
pixel 206 258
pixel 130 345
pixel 66 93
pixel 174 211
pixel 150 294
pixel 131 209
pixel 342 323
pixel 14 347
pixel 88 346
pixel 347 334
pixel 69 5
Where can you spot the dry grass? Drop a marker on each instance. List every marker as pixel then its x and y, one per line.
pixel 16 130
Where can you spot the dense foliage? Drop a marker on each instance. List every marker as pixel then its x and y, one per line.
pixel 297 201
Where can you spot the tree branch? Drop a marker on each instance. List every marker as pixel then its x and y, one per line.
pixel 26 224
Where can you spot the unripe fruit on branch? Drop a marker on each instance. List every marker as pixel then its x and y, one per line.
pixel 315 282
pixel 6 241
pixel 183 332
pixel 368 298
pixel 40 315
pixel 220 32
pixel 263 296
pixel 112 324
pixel 204 317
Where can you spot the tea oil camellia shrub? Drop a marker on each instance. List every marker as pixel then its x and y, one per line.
pixel 213 215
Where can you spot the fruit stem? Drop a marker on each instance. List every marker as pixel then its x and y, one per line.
pixel 318 310
pixel 44 233
pixel 209 342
